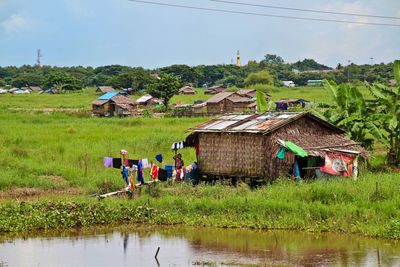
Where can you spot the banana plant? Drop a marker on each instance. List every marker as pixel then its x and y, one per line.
pixel 353 113
pixel 388 103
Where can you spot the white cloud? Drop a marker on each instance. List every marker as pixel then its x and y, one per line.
pixel 15 24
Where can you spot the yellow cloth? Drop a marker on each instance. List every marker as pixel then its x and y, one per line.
pixel 132 182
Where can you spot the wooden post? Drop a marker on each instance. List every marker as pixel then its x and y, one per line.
pixel 86 164
pixel 273 225
pixel 377 192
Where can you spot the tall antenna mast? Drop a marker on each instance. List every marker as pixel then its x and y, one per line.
pixel 39 55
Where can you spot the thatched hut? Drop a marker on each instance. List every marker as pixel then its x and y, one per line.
pixel 215 90
pixel 105 89
pixel 113 103
pixel 148 100
pixel 187 90
pixel 228 102
pixel 246 146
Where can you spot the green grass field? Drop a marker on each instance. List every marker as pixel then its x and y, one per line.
pixel 82 100
pixel 35 145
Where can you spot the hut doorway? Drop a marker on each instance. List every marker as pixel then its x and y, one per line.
pixel 308 165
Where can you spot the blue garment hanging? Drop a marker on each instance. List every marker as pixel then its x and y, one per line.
pixel 140 172
pixel 159 158
pixel 125 173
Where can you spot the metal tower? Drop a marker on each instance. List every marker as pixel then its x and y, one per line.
pixel 39 55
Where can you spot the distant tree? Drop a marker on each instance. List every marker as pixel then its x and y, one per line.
pixel 339 66
pixel 124 80
pixel 136 80
pixel 309 64
pixel 273 59
pixel 59 78
pixel 262 77
pixel 2 83
pixel 184 73
pixel 166 87
pixel 28 79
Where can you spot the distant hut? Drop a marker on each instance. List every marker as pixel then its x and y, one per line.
pixel 105 89
pixel 215 90
pixel 227 102
pixel 250 146
pixel 288 104
pixel 35 88
pixel 52 91
pixel 187 90
pixel 148 100
pixel 114 103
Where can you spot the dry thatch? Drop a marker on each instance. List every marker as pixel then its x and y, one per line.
pixel 105 89
pixel 215 90
pixel 187 90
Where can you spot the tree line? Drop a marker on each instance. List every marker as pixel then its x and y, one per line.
pixel 75 78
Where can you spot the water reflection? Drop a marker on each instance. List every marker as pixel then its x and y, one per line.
pixel 136 245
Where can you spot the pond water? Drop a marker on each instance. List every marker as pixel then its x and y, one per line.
pixel 136 245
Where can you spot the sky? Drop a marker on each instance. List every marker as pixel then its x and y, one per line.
pixel 104 32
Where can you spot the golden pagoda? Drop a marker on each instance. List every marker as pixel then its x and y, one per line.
pixel 238 59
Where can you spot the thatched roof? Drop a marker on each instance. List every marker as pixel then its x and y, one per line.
pixel 240 99
pixel 123 100
pixel 105 89
pixel 329 139
pixel 117 98
pixel 215 89
pixel 35 88
pixel 219 97
pixel 98 102
pixel 186 89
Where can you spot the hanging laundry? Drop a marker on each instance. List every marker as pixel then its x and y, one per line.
pixel 125 174
pixel 159 158
pixel 108 162
pixel 154 172
pixel 132 183
pixel 140 177
pixel 196 145
pixel 169 168
pixel 162 175
pixel 117 163
pixel 126 162
pixel 177 145
pixel 281 154
pixel 145 163
pixel 296 172
pixel 194 166
pixel 133 162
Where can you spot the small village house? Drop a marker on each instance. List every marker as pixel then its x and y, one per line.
pixel 148 100
pixel 105 89
pixel 288 83
pixel 250 146
pixel 215 90
pixel 315 83
pixel 112 104
pixel 293 103
pixel 187 90
pixel 228 102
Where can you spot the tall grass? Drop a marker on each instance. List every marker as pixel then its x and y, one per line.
pixel 35 145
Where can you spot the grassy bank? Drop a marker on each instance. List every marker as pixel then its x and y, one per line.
pixel 338 206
